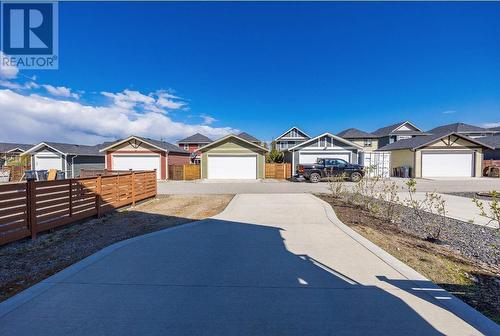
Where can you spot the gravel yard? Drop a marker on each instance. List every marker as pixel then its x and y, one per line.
pixel 465 261
pixel 27 262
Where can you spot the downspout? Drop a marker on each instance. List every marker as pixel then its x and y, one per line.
pixel 73 166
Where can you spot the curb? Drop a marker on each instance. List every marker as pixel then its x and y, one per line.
pixel 454 305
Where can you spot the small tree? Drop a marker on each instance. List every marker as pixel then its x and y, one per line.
pixel 389 197
pixel 493 212
pixel 274 156
pixel 337 187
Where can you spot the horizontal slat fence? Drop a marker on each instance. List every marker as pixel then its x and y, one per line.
pixel 29 208
pixel 102 172
pixel 278 171
pixel 184 172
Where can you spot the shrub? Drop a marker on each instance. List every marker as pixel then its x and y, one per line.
pixel 493 212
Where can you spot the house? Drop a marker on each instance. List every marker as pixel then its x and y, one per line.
pixel 377 161
pixel 326 145
pixel 464 129
pixel 438 155
pixel 392 133
pixel 249 138
pixel 9 151
pixel 140 153
pixel 368 141
pixel 192 144
pixel 494 142
pixel 233 157
pixel 291 138
pixel 496 130
pixel 67 158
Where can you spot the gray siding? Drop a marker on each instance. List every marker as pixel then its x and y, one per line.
pixel 492 154
pixel 84 162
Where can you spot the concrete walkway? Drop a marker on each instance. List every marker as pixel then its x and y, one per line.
pixel 268 265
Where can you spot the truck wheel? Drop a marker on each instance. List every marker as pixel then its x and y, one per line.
pixel 314 178
pixel 355 177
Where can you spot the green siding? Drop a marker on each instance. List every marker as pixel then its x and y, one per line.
pixel 233 146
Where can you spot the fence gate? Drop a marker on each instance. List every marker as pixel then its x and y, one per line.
pixel 379 162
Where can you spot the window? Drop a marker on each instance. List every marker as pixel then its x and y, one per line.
pixel 186 146
pixel 367 143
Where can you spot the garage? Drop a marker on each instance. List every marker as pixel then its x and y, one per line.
pixel 47 162
pixel 447 164
pixel 139 153
pixel 232 167
pixel 137 162
pixel 308 158
pixel 233 158
pixel 437 155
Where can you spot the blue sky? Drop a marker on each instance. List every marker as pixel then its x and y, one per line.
pixel 262 68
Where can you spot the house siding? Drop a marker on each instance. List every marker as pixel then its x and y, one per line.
pixel 233 146
pixel 178 159
pixel 402 157
pixel 84 162
pixel 361 142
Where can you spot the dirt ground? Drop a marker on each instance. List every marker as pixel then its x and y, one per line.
pixel 476 284
pixel 27 262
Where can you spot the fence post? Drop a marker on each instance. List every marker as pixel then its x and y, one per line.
pixel 98 191
pixel 133 188
pixel 156 183
pixel 70 197
pixel 31 206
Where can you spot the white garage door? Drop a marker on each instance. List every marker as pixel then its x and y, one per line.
pixel 48 162
pixel 312 157
pixel 232 167
pixel 137 162
pixel 446 164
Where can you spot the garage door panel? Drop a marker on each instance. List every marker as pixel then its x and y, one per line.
pixel 137 162
pixel 447 164
pixel 308 158
pixel 232 167
pixel 48 162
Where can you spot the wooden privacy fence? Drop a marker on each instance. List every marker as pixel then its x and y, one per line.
pixel 184 172
pixel 278 171
pixel 102 172
pixel 29 208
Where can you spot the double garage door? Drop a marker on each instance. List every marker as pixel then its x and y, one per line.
pixel 137 162
pixel 447 164
pixel 232 167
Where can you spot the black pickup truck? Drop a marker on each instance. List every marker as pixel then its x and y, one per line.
pixel 325 168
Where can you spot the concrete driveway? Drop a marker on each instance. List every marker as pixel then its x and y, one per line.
pixel 276 264
pixel 282 186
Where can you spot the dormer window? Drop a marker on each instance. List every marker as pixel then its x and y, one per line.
pixel 367 142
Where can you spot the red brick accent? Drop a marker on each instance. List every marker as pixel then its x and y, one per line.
pixel 178 159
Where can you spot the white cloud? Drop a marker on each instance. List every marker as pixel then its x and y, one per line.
pixel 7 71
pixel 34 118
pixel 208 120
pixel 491 124
pixel 449 112
pixel 59 91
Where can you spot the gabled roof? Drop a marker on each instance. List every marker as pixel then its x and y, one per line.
pixel 492 141
pixel 197 138
pixel 305 143
pixel 296 128
pixel 248 137
pixel 459 128
pixel 391 129
pixel 161 145
pixel 422 141
pixel 6 147
pixel 235 137
pixel 68 149
pixel 354 133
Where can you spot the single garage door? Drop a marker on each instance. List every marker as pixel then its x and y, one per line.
pixel 232 167
pixel 312 157
pixel 48 162
pixel 137 162
pixel 447 164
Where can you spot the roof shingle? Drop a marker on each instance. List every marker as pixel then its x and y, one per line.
pixel 354 133
pixel 7 146
pixel 197 138
pixel 458 128
pixel 492 141
pixel 248 137
pixel 421 141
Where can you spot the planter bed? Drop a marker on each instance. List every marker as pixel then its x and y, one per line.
pixel 464 261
